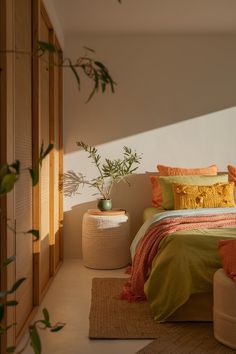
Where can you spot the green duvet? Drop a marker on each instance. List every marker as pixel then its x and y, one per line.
pixel 185 264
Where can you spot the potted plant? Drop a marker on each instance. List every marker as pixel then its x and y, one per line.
pixel 109 173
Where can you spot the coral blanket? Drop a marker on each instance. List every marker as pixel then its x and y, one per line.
pixel 148 246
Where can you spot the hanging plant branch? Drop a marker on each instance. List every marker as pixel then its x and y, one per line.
pixel 93 69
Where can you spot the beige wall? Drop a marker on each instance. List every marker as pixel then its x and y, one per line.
pixel 174 103
pixel 55 21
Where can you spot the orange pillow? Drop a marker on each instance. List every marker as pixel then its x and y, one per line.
pixel 227 250
pixel 176 171
pixel 179 171
pixel 232 173
pixel 156 192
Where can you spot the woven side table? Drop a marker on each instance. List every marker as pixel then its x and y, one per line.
pixel 106 239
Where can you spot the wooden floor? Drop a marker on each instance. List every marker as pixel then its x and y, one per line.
pixel 68 300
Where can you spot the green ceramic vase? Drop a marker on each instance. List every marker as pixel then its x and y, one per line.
pixel 104 204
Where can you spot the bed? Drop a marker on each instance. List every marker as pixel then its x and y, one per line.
pixel 176 276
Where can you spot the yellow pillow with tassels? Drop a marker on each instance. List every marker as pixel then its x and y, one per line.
pixel 219 195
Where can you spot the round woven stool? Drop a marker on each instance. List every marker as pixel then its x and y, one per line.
pixel 224 311
pixel 106 239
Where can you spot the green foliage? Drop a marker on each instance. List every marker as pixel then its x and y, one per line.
pixel 94 70
pixel 33 232
pixel 9 175
pixel 110 172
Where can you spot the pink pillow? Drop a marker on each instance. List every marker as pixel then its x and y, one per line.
pixel 232 173
pixel 176 171
pixel 179 171
pixel 227 250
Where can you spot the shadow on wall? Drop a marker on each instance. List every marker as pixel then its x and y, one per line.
pixel 161 80
pixel 123 197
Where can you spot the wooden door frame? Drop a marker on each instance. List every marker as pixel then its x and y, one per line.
pixel 38 11
pixel 7 57
pixel 3 156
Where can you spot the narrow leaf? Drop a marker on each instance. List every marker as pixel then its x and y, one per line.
pixel 12 303
pixel 47 151
pixel 58 328
pixel 100 65
pixel 35 340
pixel 90 49
pixel 41 150
pixel 34 232
pixel 46 316
pixel 75 73
pixel 16 285
pixel 34 174
pixel 8 261
pixel 45 46
pixel 1 312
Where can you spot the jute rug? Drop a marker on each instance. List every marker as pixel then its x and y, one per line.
pixel 112 318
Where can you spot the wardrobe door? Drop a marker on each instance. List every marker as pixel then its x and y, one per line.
pixel 44 137
pixel 23 153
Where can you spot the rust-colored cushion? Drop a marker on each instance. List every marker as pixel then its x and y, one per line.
pixel 156 192
pixel 232 173
pixel 227 250
pixel 179 171
pixel 232 177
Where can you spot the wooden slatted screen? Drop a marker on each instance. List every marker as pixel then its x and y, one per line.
pixel 44 99
pixel 23 153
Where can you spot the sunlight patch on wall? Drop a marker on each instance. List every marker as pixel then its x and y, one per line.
pixel 197 142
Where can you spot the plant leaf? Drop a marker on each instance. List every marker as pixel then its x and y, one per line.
pixel 47 151
pixel 46 316
pixel 3 171
pixel 90 49
pixel 35 340
pixel 16 285
pixel 34 232
pixel 12 303
pixel 8 261
pixel 34 174
pixel 58 328
pixel 75 73
pixel 8 183
pixel 45 46
pixel 1 312
pixel 11 349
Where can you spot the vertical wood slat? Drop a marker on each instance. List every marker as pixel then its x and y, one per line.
pixel 61 154
pixel 7 154
pixel 52 156
pixel 44 97
pixel 23 153
pixel 57 155
pixel 35 147
pixel 3 157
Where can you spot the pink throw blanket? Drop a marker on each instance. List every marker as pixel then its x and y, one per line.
pixel 148 247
